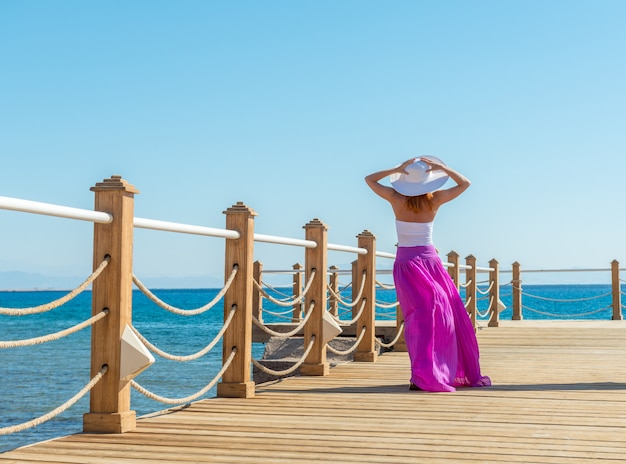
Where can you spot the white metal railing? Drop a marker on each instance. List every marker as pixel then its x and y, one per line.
pixel 27 206
pixel 67 212
pixel 165 226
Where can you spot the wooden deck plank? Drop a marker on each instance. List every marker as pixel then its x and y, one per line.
pixel 559 395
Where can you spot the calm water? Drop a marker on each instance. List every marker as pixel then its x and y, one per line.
pixel 35 380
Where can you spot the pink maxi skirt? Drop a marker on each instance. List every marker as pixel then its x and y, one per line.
pixel 440 339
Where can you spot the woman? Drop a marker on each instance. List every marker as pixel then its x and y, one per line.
pixel 439 335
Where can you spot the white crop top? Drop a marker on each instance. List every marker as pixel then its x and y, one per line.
pixel 414 233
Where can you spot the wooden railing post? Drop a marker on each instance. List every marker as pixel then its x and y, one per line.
pixel 366 264
pixel 109 406
pixel 257 297
pixel 333 303
pixel 239 253
pixel 454 271
pixel 517 292
pixel 470 290
pixel 494 293
pixel 297 292
pixel 355 287
pixel 617 291
pixel 315 260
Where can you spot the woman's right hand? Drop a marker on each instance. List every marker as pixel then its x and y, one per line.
pixel 406 164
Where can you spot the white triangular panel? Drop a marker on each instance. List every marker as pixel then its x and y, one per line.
pixel 135 357
pixel 330 328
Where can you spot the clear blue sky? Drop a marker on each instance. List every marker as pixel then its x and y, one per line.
pixel 287 105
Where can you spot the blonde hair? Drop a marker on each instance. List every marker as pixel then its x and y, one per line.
pixel 420 202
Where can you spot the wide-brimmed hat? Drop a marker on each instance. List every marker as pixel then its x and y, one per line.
pixel 419 180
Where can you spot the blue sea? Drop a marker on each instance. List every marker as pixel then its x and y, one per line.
pixel 35 380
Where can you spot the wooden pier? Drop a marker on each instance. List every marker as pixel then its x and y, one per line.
pixel 559 395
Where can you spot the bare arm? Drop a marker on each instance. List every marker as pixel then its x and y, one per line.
pixel 462 182
pixel 381 190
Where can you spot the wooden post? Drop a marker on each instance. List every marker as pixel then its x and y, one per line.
pixel 257 297
pixel 617 291
pixel 454 270
pixel 334 285
pixel 517 292
pixel 470 289
pixel 355 287
pixel 109 406
pixel 494 293
pixel 315 260
pixel 236 381
pixel 297 292
pixel 366 350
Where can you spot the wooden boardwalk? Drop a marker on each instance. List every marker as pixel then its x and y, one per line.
pixel 559 395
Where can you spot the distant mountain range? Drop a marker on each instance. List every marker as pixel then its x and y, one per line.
pixel 16 280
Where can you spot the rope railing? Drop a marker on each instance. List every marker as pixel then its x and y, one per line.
pixel 558 300
pixel 546 313
pixel 194 356
pixel 278 314
pixel 289 370
pixel 344 323
pixel 55 336
pixel 382 305
pixel 55 412
pixel 186 312
pixel 350 350
pixel 186 399
pixel 61 301
pixel 466 284
pixel 386 315
pixel 356 299
pixel 486 291
pixel 385 286
pixel 395 339
pixel 292 301
pixel 276 290
pixel 291 333
pixel 487 311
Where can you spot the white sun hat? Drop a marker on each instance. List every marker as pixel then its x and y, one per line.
pixel 419 180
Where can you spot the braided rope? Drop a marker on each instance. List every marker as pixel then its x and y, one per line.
pixel 563 300
pixel 387 305
pixel 570 315
pixel 55 412
pixel 343 323
pixel 356 299
pixel 277 313
pixel 196 355
pixel 186 312
pixel 388 316
pixel 466 284
pixel 187 399
pixel 292 301
pixel 56 303
pixel 484 292
pixel 485 314
pixel 385 286
pixel 57 335
pixel 269 331
pixel 394 341
pixel 352 348
pixel 288 371
pixel 282 317
pixel 274 289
